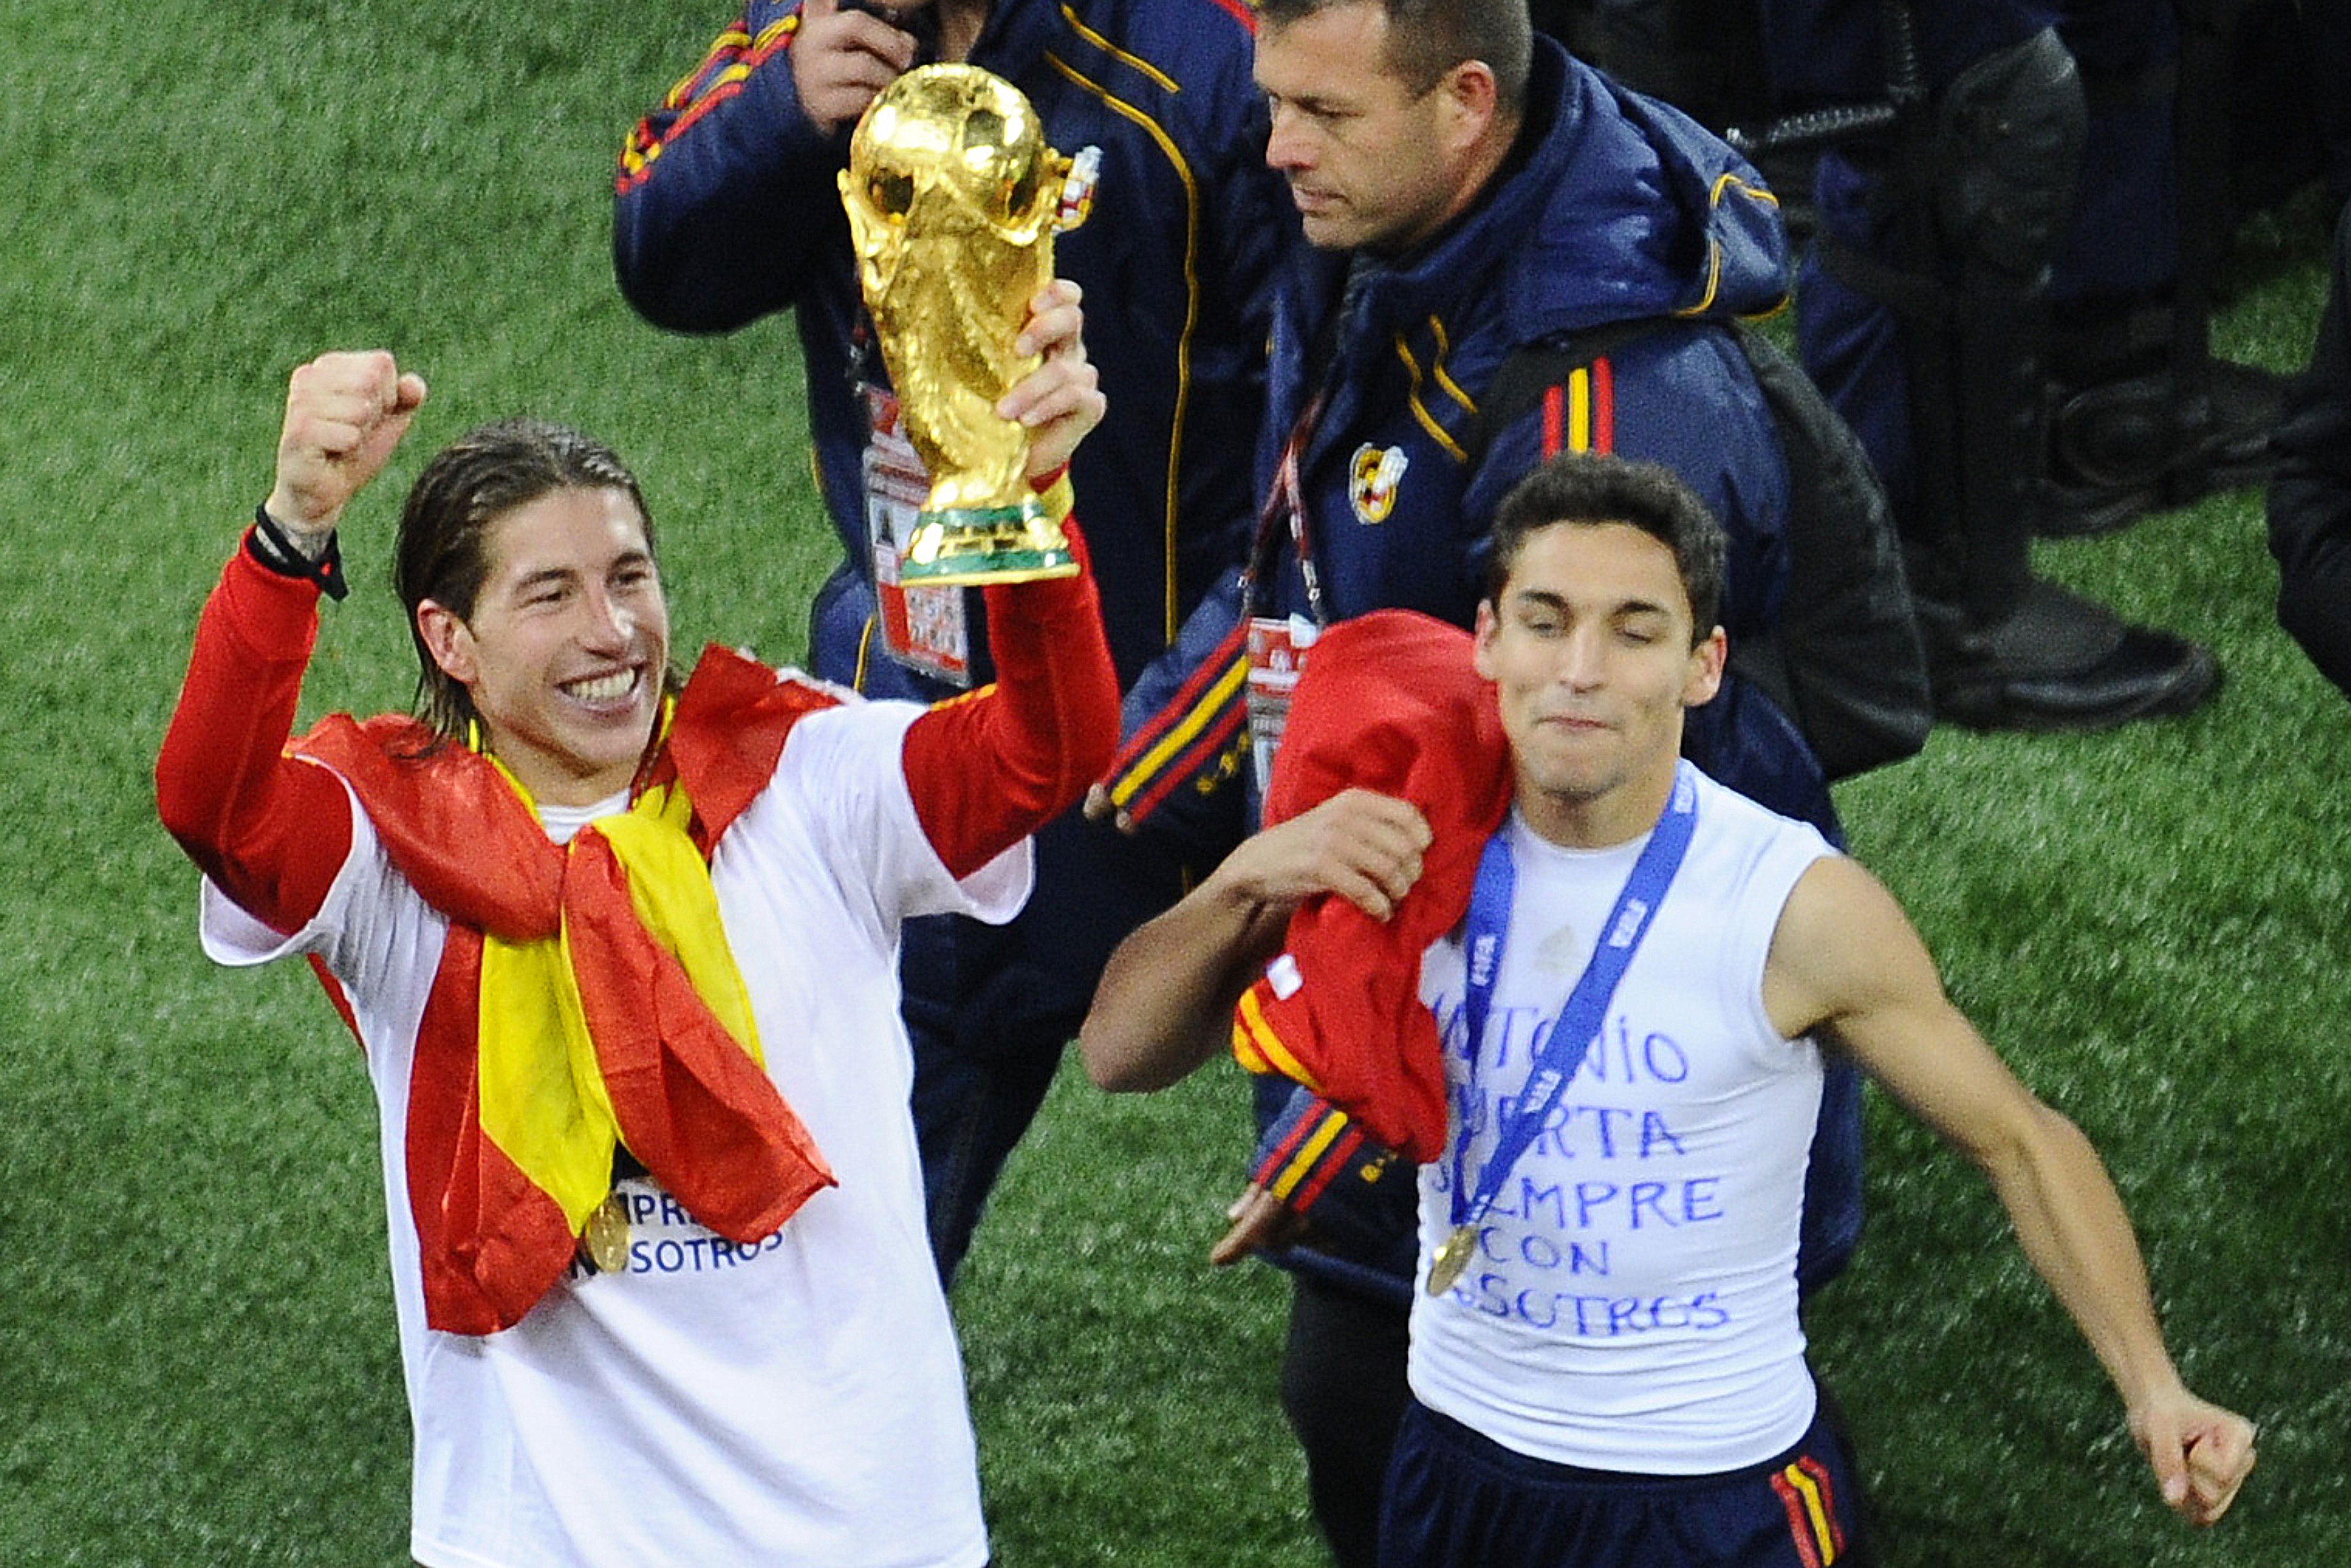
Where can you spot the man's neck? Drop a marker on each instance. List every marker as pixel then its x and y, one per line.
pixel 1493 157
pixel 1614 817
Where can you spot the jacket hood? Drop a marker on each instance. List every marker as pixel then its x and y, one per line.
pixel 1635 210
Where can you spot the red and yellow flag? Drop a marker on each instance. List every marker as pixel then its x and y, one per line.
pixel 586 998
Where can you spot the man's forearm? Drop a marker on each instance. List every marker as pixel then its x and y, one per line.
pixel 725 194
pixel 2072 1225
pixel 1165 1004
pixel 988 770
pixel 270 832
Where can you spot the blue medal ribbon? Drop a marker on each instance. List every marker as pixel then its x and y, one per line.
pixel 1563 1051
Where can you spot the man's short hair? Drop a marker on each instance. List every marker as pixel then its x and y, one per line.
pixel 442 553
pixel 1592 488
pixel 1427 39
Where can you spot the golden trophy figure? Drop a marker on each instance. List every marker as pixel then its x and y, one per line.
pixel 952 197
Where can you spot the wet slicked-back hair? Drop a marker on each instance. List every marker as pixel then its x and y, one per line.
pixel 442 553
pixel 1428 38
pixel 1590 488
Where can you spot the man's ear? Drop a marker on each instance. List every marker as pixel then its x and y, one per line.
pixel 448 639
pixel 1472 103
pixel 1481 639
pixel 1707 662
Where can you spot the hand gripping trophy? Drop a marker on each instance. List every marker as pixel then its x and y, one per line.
pixel 953 198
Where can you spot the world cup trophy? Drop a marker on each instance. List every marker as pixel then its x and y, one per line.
pixel 953 199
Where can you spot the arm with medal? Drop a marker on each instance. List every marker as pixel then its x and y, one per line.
pixel 1333 878
pixel 1296 1158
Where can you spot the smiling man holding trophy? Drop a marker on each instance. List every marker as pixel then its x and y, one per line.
pixel 622 952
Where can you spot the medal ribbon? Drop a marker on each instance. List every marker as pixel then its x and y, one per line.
pixel 1563 1051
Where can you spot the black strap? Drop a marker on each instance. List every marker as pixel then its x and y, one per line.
pixel 269 544
pixel 1533 368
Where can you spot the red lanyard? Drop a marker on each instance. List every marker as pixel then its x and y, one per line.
pixel 1286 500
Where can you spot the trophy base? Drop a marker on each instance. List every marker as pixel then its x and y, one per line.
pixel 967 545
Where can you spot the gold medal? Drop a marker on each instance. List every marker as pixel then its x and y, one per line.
pixel 606 1239
pixel 1452 1257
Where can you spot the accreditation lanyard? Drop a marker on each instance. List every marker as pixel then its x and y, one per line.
pixel 1562 1051
pixel 1285 504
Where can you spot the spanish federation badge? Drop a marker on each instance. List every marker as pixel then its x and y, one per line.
pixel 1373 476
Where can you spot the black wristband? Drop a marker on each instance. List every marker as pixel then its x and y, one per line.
pixel 268 544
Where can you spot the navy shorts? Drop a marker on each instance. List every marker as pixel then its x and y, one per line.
pixel 1457 1499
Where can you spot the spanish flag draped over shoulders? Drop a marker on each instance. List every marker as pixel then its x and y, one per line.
pixel 586 998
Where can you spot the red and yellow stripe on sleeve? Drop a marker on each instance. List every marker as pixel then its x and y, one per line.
pixel 1181 742
pixel 1259 1047
pixel 718 78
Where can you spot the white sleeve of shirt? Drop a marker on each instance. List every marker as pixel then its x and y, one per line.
pixel 232 936
pixel 367 930
pixel 844 772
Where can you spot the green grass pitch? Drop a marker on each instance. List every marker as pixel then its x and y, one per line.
pixel 196 1354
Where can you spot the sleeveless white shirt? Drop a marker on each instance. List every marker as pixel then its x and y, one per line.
pixel 1631 1302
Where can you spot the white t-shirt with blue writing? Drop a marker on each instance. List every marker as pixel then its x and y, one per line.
pixel 1631 1304
pixel 799 1401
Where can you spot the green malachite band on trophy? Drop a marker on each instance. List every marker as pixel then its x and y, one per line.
pixel 982 545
